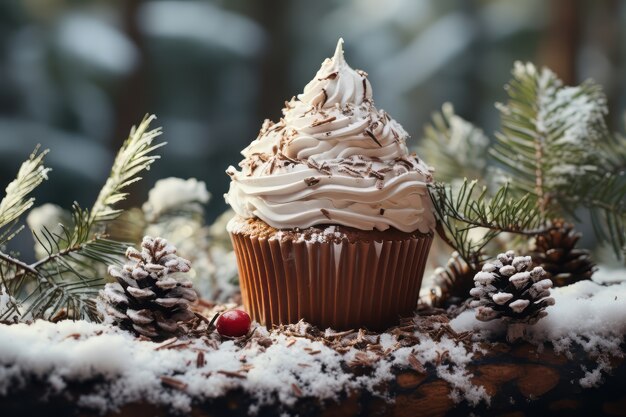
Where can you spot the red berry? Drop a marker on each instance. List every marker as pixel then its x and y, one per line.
pixel 233 323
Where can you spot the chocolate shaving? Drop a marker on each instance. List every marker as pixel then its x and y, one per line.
pixel 364 88
pixel 290 342
pixel 395 136
pixel 296 390
pixel 232 374
pixel 371 135
pixel 381 211
pixel 311 181
pixel 173 383
pixel 325 97
pixel 404 162
pixel 376 174
pixel 324 168
pixel 325 213
pixel 200 360
pixel 415 364
pixel 288 158
pixel 350 171
pixel 272 165
pixel 277 127
pixel 321 122
pixel 311 163
pixel 166 343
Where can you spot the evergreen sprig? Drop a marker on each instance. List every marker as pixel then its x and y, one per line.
pixel 454 146
pixel 548 132
pixel 63 283
pixel 16 201
pixel 135 156
pixel 469 207
pixel 554 154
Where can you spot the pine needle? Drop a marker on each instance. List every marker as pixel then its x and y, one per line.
pixel 134 156
pixel 16 201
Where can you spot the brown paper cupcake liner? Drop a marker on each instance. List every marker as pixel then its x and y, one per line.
pixel 343 285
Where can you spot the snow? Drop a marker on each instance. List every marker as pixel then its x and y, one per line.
pixel 6 301
pixel 585 314
pixel 133 370
pixel 175 193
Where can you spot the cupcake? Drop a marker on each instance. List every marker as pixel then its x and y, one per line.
pixel 333 219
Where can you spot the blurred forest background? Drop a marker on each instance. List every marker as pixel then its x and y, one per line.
pixel 76 74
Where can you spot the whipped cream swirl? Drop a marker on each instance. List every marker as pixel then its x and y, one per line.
pixel 333 158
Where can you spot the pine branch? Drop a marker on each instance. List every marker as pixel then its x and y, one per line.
pixel 17 263
pixel 466 208
pixel 134 156
pixel 64 282
pixel 454 146
pixel 547 132
pixel 15 202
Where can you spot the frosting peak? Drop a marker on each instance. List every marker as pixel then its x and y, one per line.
pixel 333 158
pixel 337 83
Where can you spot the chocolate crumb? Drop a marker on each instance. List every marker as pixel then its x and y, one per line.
pixel 381 211
pixel 310 181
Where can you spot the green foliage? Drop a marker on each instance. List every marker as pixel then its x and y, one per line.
pixel 548 134
pixel 16 200
pixel 553 156
pixel 134 156
pixel 467 208
pixel 454 146
pixel 64 282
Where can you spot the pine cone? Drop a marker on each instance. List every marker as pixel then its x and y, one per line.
pixel 451 283
pixel 556 252
pixel 145 299
pixel 507 289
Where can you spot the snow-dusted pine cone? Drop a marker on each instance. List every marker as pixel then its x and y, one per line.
pixel 507 288
pixel 145 299
pixel 556 252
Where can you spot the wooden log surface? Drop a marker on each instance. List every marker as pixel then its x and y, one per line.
pixel 520 381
